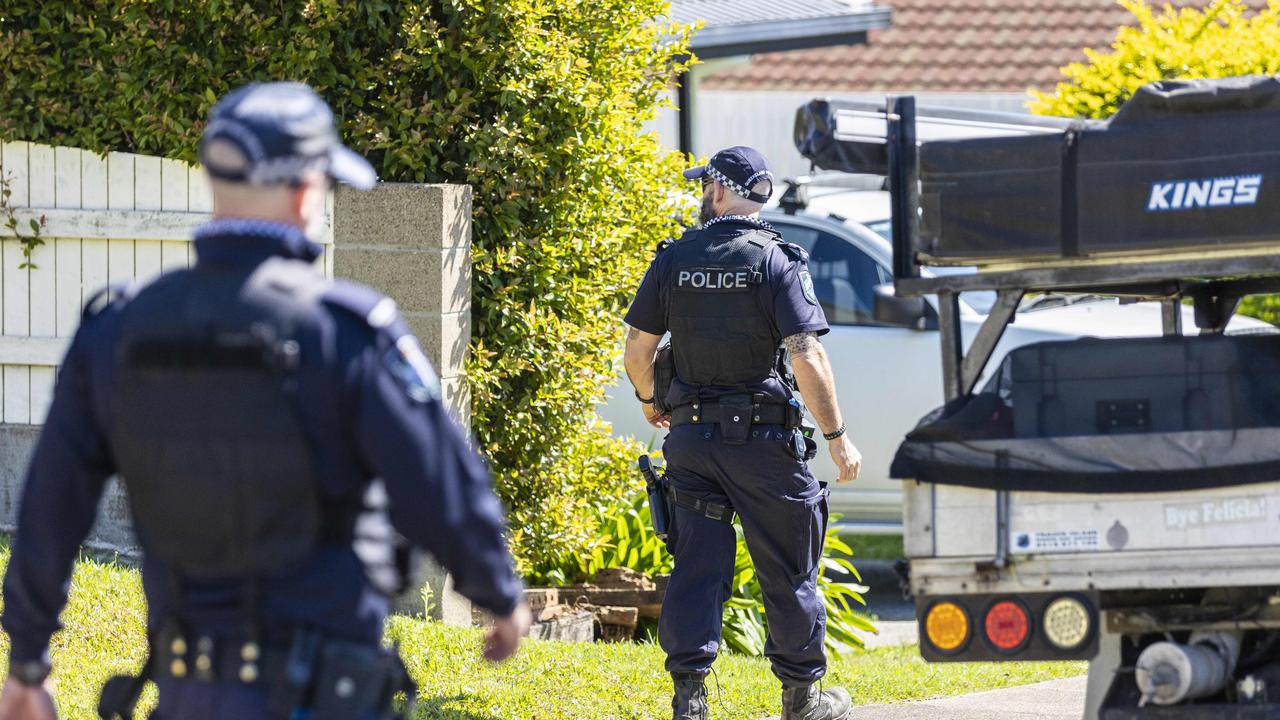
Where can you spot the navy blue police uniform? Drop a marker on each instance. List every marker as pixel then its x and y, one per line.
pixel 249 405
pixel 729 292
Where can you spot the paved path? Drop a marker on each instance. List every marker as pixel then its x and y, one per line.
pixel 1052 700
pixel 893 632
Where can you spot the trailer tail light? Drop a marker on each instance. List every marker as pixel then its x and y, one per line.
pixel 1067 623
pixel 1003 627
pixel 1008 626
pixel 947 626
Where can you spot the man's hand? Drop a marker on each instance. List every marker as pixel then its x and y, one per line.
pixel 847 458
pixel 22 702
pixel 503 640
pixel 655 417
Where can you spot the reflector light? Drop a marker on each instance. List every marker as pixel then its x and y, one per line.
pixel 1067 623
pixel 1007 625
pixel 947 626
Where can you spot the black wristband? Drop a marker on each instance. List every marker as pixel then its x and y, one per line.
pixel 643 400
pixel 31 673
pixel 834 433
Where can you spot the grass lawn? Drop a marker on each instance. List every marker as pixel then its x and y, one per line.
pixel 875 547
pixel 547 681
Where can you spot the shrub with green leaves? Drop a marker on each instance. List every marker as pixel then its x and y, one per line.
pixel 627 540
pixel 537 104
pixel 1224 39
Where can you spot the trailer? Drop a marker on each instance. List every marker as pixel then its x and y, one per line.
pixel 1113 500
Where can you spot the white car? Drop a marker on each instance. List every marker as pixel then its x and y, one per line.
pixel 888 377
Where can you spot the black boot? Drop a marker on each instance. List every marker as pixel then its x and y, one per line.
pixel 690 701
pixel 810 703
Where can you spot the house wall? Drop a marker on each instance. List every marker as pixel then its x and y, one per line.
pixel 765 120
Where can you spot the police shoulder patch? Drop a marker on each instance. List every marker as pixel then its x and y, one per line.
pixel 806 287
pixel 664 245
pixel 411 369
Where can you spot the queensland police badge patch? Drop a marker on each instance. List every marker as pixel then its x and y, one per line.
pixel 806 287
pixel 412 370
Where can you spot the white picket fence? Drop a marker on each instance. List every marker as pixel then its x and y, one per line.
pixel 108 219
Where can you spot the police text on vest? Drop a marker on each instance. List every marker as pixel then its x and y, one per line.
pixel 714 279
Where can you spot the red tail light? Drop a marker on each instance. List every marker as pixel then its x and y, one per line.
pixel 1007 625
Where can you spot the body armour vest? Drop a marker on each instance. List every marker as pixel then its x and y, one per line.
pixel 205 428
pixel 720 334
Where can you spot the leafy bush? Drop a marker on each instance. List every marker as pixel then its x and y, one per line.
pixel 537 104
pixel 628 541
pixel 745 625
pixel 1221 40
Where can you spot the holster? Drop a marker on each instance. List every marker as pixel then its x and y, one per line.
pixel 337 680
pixel 357 681
pixel 120 694
pixel 664 371
pixel 656 487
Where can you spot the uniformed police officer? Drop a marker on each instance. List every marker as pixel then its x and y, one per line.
pixel 248 403
pixel 733 293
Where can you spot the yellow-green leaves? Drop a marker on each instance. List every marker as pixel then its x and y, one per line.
pixel 1222 39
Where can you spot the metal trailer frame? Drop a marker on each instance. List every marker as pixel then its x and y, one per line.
pixel 1215 280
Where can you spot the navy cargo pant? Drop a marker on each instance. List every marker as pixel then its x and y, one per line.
pixel 783 511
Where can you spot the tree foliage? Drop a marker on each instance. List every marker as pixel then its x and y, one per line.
pixel 537 104
pixel 1224 39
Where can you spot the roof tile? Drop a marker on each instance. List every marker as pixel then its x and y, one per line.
pixel 946 45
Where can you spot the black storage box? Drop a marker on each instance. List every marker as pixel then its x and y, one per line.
pixel 1175 384
pixel 1182 165
pixel 1111 415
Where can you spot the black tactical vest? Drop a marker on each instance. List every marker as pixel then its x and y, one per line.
pixel 205 429
pixel 720 334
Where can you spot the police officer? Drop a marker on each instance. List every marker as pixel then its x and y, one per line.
pixel 248 403
pixel 733 293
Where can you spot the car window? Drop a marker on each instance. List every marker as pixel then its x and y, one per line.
pixel 844 277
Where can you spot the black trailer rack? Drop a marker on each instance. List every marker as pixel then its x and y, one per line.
pixel 1214 271
pixel 888 138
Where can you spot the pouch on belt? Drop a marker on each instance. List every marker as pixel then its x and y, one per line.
pixel 735 418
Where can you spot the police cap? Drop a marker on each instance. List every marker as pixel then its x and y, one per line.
pixel 275 133
pixel 738 168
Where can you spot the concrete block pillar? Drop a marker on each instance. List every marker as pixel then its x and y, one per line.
pixel 412 242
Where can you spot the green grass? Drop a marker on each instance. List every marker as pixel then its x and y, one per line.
pixel 875 547
pixel 547 680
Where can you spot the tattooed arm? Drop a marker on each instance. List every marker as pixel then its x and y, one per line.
pixel 818 388
pixel 813 375
pixel 641 349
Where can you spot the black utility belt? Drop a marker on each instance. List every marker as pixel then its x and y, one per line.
pixel 726 412
pixel 327 678
pixel 210 659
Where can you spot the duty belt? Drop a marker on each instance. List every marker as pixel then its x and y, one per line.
pixel 713 412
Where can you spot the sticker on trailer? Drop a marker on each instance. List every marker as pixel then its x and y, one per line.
pixel 1048 541
pixel 1222 511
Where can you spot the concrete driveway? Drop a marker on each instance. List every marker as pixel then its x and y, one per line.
pixel 1052 700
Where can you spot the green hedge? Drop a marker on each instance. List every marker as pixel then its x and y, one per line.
pixel 537 104
pixel 1222 39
